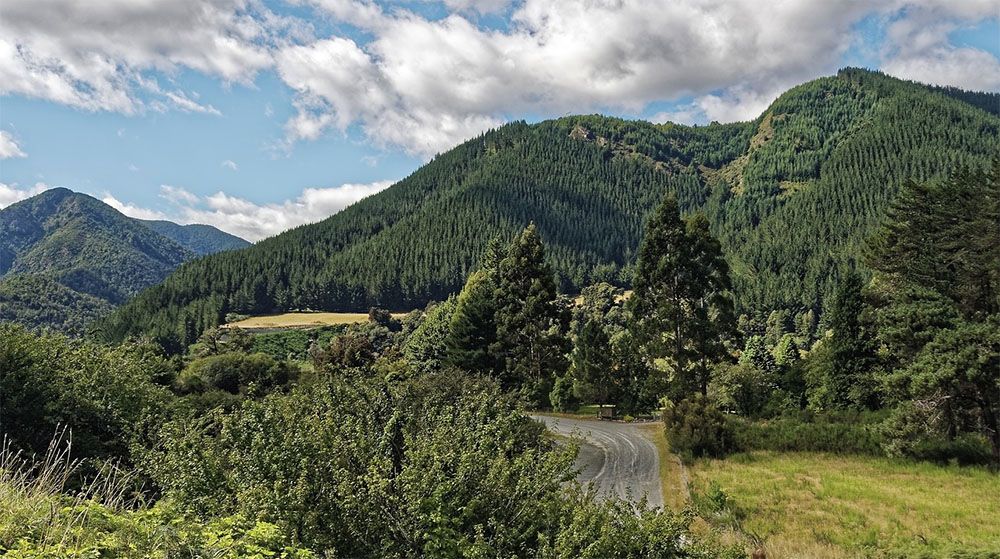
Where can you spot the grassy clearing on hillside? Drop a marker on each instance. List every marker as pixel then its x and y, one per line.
pixel 303 319
pixel 824 505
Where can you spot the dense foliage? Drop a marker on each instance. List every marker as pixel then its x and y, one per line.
pixel 39 301
pixel 103 395
pixel 380 460
pixel 918 341
pixel 791 196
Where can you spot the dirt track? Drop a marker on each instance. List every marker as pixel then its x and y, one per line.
pixel 617 457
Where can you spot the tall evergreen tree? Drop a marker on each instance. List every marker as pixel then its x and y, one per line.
pixel 682 309
pixel 712 321
pixel 852 349
pixel 659 290
pixel 530 324
pixel 473 326
pixel 591 363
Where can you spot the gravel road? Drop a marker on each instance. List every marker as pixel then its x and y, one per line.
pixel 618 457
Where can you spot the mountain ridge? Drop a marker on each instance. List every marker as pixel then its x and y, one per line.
pixel 67 258
pixel 199 238
pixel 791 195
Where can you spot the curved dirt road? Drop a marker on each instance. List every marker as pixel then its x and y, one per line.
pixel 617 457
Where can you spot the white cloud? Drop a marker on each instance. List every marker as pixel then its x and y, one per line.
pixel 177 195
pixel 480 6
pixel 10 193
pixel 425 85
pixel 94 55
pixel 256 221
pixel 247 219
pixel 918 47
pixel 8 146
pixel 184 103
pixel 231 165
pixel 131 210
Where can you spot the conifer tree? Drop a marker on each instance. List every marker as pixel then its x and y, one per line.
pixel 591 363
pixel 473 326
pixel 682 309
pixel 712 320
pixel 530 324
pixel 852 357
pixel 657 303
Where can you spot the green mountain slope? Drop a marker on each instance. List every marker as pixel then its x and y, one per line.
pixel 67 258
pixel 85 245
pixel 38 301
pixel 791 195
pixel 199 239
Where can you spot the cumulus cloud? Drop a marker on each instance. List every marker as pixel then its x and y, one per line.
pixel 231 165
pixel 424 84
pixel 130 209
pixel 918 48
pixel 247 219
pixel 480 6
pixel 11 193
pixel 94 55
pixel 8 146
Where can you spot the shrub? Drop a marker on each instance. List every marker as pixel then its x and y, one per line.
pixel 562 397
pixel 236 373
pixel 43 518
pixel 829 433
pixel 696 428
pixel 104 396
pixel 915 433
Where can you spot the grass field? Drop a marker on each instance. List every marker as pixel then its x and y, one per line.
pixel 303 319
pixel 820 505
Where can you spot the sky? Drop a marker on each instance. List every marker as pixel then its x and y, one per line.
pixel 259 115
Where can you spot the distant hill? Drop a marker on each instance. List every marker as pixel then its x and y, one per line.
pixel 66 258
pixel 199 239
pixel 792 195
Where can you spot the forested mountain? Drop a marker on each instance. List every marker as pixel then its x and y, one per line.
pixel 199 239
pixel 791 195
pixel 66 258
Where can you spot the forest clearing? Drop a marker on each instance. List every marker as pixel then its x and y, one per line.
pixel 301 320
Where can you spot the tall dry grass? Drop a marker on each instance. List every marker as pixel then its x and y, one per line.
pixel 43 505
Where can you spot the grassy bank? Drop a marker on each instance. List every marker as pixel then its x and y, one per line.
pixel 673 482
pixel 824 505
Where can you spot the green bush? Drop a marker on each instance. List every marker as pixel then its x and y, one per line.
pixel 913 432
pixel 43 518
pixel 104 396
pixel 616 529
pixel 696 428
pixel 832 433
pixel 236 373
pixel 562 397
